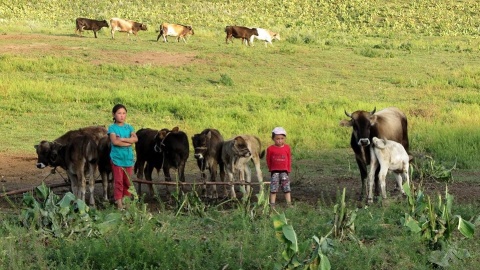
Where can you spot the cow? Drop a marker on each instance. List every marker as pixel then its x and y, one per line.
pixel 89 24
pixel 265 35
pixel 389 156
pixel 47 151
pixel 44 158
pixel 175 30
pixel 208 153
pixel 236 153
pixel 389 123
pixel 78 158
pixel 129 26
pixel 146 154
pixel 173 145
pixel 242 32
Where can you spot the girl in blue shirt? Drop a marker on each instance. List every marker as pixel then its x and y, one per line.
pixel 122 137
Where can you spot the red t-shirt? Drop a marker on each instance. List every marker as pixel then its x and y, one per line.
pixel 279 158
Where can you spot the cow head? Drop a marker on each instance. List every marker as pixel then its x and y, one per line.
pixel 379 143
pixel 48 154
pixel 361 122
pixel 276 36
pixel 200 144
pixel 143 27
pixel 190 30
pixel 240 147
pixel 161 137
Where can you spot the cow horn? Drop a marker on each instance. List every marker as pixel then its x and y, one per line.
pixel 348 114
pixel 374 110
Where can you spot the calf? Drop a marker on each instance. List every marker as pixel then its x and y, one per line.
pixel 78 158
pixel 242 32
pixel 175 30
pixel 390 156
pixel 236 153
pixel 129 26
pixel 173 144
pixel 43 149
pixel 145 150
pixel 89 24
pixel 266 35
pixel 208 153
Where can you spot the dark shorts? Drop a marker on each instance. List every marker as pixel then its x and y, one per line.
pixel 279 179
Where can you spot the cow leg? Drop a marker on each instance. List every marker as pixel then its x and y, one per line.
pixel 222 177
pixel 382 179
pixel 259 172
pixel 371 179
pixel 213 174
pixel 104 177
pixel 139 168
pixel 248 178
pixel 82 182
pixel 95 33
pixel 230 172
pixel 73 183
pixel 363 176
pixel 91 182
pixel 148 176
pixel 398 177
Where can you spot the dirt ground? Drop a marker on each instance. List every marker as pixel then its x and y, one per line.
pixel 18 171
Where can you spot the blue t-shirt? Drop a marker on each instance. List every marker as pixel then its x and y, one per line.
pixel 121 155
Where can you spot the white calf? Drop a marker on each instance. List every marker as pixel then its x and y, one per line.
pixel 390 156
pixel 266 35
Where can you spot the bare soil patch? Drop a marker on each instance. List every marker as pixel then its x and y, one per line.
pixel 38 45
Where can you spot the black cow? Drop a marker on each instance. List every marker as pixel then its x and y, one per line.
pixel 242 32
pixel 208 153
pixel 145 150
pixel 89 24
pixel 173 144
pixel 389 123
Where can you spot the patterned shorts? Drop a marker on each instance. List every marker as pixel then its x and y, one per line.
pixel 279 179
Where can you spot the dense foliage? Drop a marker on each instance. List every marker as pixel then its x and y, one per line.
pixel 355 16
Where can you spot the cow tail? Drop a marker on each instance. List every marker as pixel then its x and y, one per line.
pixel 262 154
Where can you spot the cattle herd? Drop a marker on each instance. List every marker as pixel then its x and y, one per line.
pixel 174 30
pixel 379 139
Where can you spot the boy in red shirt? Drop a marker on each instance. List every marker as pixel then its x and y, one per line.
pixel 279 162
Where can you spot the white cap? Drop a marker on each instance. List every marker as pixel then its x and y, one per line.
pixel 279 131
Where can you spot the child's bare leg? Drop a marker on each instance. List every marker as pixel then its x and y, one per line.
pixel 288 198
pixel 273 197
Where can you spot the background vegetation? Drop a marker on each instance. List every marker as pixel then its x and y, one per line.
pixel 421 56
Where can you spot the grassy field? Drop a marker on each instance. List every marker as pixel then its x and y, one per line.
pixel 420 56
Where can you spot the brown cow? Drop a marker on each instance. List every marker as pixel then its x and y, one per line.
pixel 389 124
pixel 175 30
pixel 129 26
pixel 89 24
pixel 242 32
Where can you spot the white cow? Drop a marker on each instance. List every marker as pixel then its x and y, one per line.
pixel 266 35
pixel 390 156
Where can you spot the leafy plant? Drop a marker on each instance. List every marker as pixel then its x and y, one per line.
pixel 425 167
pixel 315 259
pixel 251 209
pixel 52 215
pixel 189 202
pixel 344 221
pixel 435 223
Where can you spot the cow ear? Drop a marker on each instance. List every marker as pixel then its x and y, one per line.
pixel 373 119
pixel 175 129
pixel 209 134
pixel 346 123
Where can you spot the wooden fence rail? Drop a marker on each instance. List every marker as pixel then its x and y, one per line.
pixel 23 190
